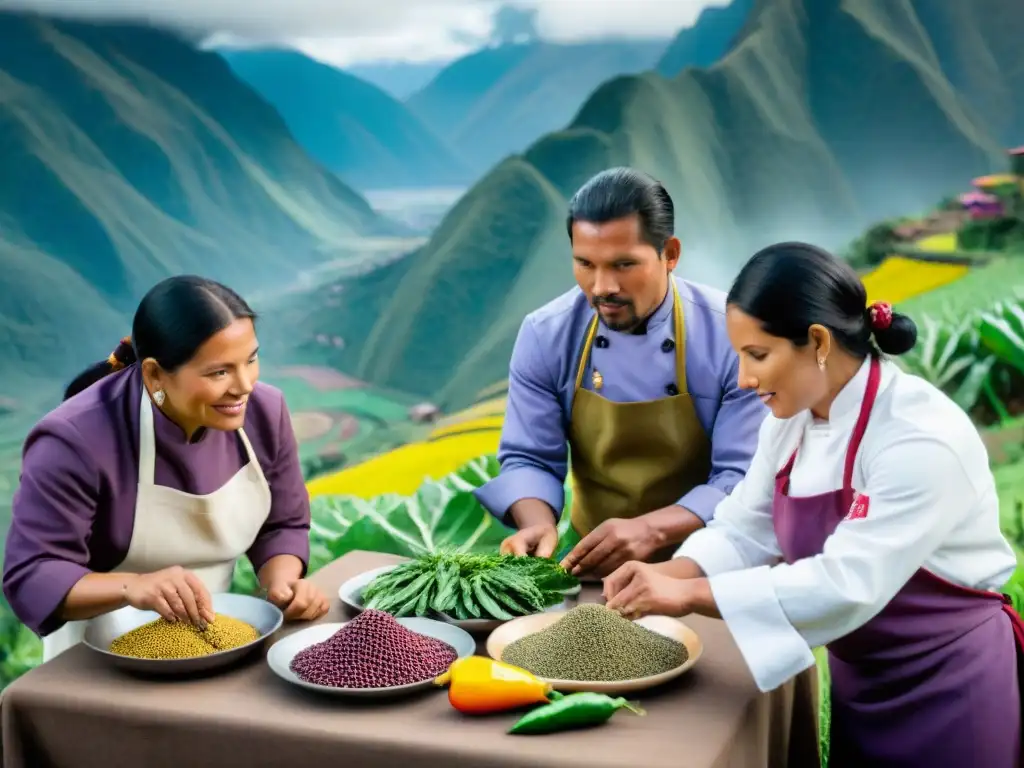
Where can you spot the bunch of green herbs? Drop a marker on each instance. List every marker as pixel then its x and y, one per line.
pixel 470 586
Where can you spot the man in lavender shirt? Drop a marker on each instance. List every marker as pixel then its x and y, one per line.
pixel 633 375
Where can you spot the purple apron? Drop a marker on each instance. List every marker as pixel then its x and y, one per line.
pixel 932 680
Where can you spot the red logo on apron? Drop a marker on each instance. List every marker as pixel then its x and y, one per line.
pixel 859 508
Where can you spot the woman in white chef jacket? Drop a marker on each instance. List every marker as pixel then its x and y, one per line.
pixel 165 464
pixel 868 523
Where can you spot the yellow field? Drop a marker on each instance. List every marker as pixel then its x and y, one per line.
pixel 404 469
pixel 493 407
pixel 944 243
pixel 898 279
pixel 484 423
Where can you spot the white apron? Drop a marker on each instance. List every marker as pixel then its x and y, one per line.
pixel 203 534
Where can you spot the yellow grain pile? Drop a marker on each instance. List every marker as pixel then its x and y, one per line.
pixel 163 639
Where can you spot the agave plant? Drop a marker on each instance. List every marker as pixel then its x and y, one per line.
pixel 1001 333
pixel 950 356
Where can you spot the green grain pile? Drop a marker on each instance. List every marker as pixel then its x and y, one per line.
pixel 162 639
pixel 592 643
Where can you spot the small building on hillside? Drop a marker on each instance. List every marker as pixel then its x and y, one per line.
pixel 1002 185
pixel 982 205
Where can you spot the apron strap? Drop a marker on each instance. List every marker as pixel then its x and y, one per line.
pixel 147 440
pixel 585 353
pixel 866 405
pixel 253 461
pixel 679 326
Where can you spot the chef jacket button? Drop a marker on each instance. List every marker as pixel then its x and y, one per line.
pixel 601 342
pixel 668 345
pixel 672 389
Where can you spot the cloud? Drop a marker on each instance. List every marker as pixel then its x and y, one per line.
pixel 345 31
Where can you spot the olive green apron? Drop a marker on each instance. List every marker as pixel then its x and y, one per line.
pixel 628 459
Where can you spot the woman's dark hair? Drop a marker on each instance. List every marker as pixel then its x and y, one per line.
pixel 791 286
pixel 173 321
pixel 620 192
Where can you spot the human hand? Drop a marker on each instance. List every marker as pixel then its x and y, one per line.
pixel 174 593
pixel 301 600
pixel 538 540
pixel 639 589
pixel 611 544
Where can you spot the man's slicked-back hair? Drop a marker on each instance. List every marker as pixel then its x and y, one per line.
pixel 617 193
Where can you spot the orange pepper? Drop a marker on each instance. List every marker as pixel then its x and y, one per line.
pixel 479 685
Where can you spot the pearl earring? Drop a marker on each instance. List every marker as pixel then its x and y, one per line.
pixel 158 397
pixel 821 363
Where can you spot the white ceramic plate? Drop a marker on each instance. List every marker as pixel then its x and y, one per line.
pixel 351 591
pixel 351 594
pixel 283 651
pixel 672 628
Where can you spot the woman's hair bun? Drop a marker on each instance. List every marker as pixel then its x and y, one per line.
pixel 123 355
pixel 898 337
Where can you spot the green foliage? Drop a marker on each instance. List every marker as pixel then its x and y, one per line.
pixel 1005 233
pixel 1001 332
pixel 948 356
pixel 976 359
pixel 874 246
pixel 1012 524
pixel 20 649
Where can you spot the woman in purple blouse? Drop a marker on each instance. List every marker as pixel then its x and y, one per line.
pixel 164 465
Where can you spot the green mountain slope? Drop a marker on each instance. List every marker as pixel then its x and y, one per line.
pixel 825 116
pixel 128 155
pixel 707 40
pixel 352 127
pixel 498 100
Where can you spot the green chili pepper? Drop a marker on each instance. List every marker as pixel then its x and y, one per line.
pixel 577 710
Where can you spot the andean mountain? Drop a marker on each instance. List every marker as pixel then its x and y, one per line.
pixel 708 40
pixel 128 155
pixel 498 100
pixel 354 128
pixel 399 78
pixel 825 116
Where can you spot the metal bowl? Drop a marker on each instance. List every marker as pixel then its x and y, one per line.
pixel 101 631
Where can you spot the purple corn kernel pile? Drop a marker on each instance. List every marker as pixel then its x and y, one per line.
pixel 373 651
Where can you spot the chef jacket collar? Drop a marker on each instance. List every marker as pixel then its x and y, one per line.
pixel 846 407
pixel 167 431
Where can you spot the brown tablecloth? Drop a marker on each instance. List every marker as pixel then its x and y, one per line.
pixel 77 712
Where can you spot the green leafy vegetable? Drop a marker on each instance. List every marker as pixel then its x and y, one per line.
pixel 466 585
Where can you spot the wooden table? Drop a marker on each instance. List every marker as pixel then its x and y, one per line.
pixel 78 712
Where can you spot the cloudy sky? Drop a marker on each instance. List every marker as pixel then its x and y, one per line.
pixel 352 31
